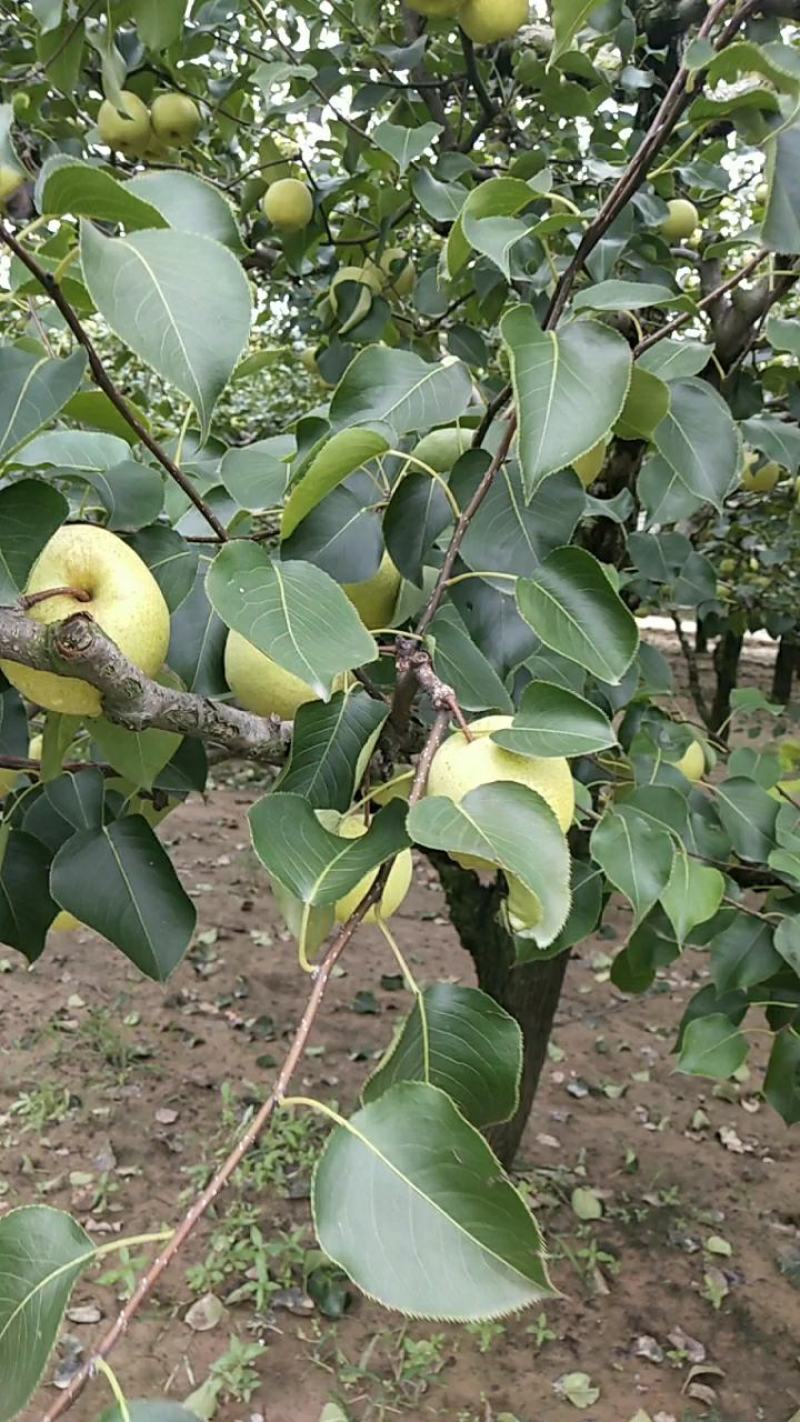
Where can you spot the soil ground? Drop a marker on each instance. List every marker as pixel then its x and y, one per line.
pixel 113 1089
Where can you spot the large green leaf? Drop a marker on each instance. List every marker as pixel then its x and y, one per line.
pixel 26 907
pixel 743 955
pixel 636 855
pixel 489 204
pixel 569 16
pixel 416 514
pixel 462 1041
pixel 782 1082
pixel 748 814
pixel 30 513
pixel 405 145
pixel 171 560
pixel 781 229
pixel 699 440
pixel 138 755
pixel 189 204
pixel 572 607
pixel 291 611
pixel 74 450
pixel 131 493
pixel 328 748
pixel 316 866
pixel 775 438
pixel 461 664
pixel 510 532
pixel 70 185
pixel 553 721
pixel 146 287
pixel 693 894
pixel 42 1252
pixel 510 826
pixel 120 882
pixel 254 475
pixel 399 389
pixel 33 389
pixel 197 640
pixel 674 359
pixel 647 404
pixel 159 24
pixel 340 456
pixel 622 296
pixel 564 407
pixel 410 1201
pixel 712 1046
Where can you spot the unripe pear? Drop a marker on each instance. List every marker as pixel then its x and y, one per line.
pixel 785 790
pixel 375 598
pixel 11 179
pixel 260 684
pixel 762 193
pixel 760 480
pixel 176 120
pixel 118 592
pixel 461 765
pixel 369 278
pixel 127 132
pixel 441 448
pixel 288 205
pixel 488 21
pixel 681 220
pixel 399 279
pixel 397 884
pixel 692 763
pixel 589 465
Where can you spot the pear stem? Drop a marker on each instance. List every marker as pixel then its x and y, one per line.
pixel 33 599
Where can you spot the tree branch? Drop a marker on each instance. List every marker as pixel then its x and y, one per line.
pixel 707 301
pixel 692 672
pixel 106 384
pixel 78 647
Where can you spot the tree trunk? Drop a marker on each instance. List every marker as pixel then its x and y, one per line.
pixel 530 993
pixel 726 665
pixel 787 666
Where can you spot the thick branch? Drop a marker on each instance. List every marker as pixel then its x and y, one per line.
pixel 106 384
pixel 708 301
pixel 79 647
pixel 692 672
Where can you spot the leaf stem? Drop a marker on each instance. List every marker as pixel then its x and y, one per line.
pixel 113 1382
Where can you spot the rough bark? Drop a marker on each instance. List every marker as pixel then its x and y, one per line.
pixel 530 993
pixel 787 667
pixel 726 665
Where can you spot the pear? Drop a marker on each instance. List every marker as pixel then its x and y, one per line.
pixel 127 132
pixel 123 597
pixel 375 598
pixel 441 448
pixel 11 179
pixel 288 205
pixel 435 9
pixel 589 465
pixel 397 884
pixel 681 221
pixel 176 120
pixel 488 21
pixel 262 686
pixel 760 480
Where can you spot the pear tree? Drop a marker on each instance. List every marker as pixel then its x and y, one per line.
pixel 368 372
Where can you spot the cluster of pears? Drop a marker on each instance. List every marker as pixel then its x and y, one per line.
pixel 484 21
pixel 135 131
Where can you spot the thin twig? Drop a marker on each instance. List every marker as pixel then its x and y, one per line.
pixel 106 384
pixel 707 301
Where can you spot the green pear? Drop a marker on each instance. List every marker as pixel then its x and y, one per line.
pixel 288 205
pixel 488 21
pixel 176 120
pixel 126 131
pixel 681 221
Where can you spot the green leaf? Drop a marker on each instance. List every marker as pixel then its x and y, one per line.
pixel 647 405
pixel 138 755
pixel 33 389
pixel 416 514
pixel 699 441
pixel 782 1082
pixel 120 882
pixel 441 201
pixel 462 665
pixel 635 855
pixel 74 449
pixel 787 942
pixel 30 513
pixel 47 13
pixel 189 204
pixel 340 456
pixel 329 745
pixel 569 16
pixel 484 208
pixel 70 185
pixel 781 229
pixel 171 560
pixel 160 24
pixel 712 1046
pixel 26 908
pixel 665 496
pixel 432 1180
pixel 510 532
pixel 774 438
pixel 42 1252
pixel 146 287
pixel 564 410
pixel 693 894
pixel 399 389
pixel 316 866
pixel 94 410
pixel 622 296
pixel 552 721
pixel 784 335
pixel 743 954
pixel 748 815
pixel 197 640
pixel 291 611
pixel 254 476
pixel 405 145
pixel 462 1041
pixel 572 607
pixel 512 827
pixel 60 52
pixel 131 493
pixel 673 359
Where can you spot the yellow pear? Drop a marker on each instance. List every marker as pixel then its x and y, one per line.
pixel 288 205
pixel 461 765
pixel 176 120
pixel 127 132
pixel 760 480
pixel 398 788
pixel 441 448
pixel 10 180
pixel 487 21
pixel 65 922
pixel 121 595
pixel 397 884
pixel 369 278
pixel 785 790
pixel 681 220
pixel 262 686
pixel 397 272
pixel 376 598
pixel 588 466
pixel 692 763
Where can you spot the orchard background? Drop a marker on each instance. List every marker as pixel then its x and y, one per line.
pixel 372 376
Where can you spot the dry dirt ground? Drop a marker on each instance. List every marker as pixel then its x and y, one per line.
pixel 113 1090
